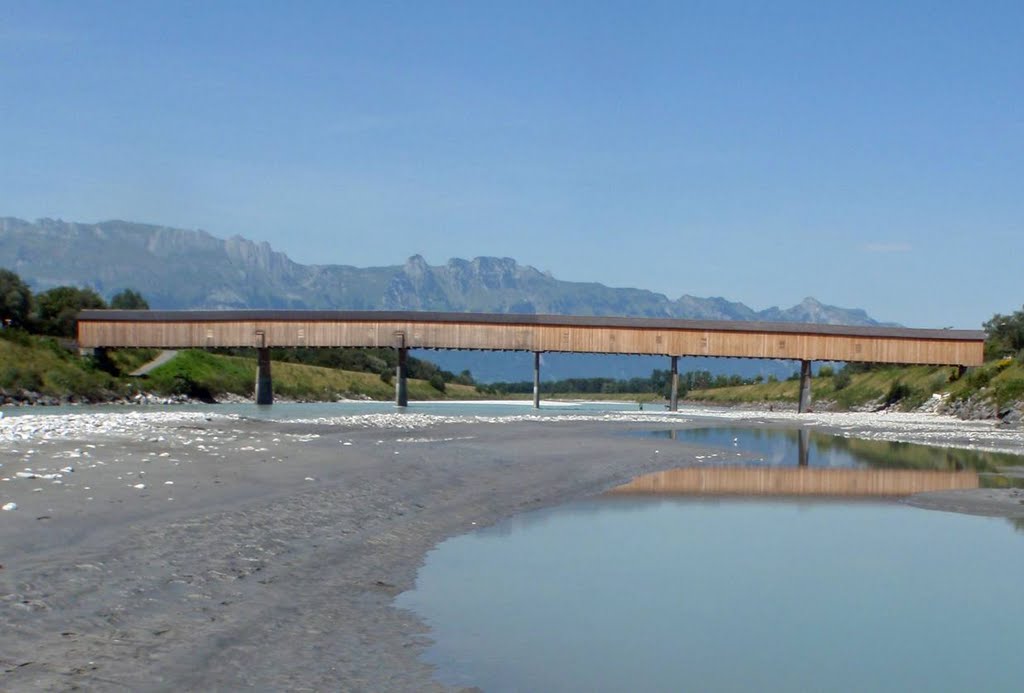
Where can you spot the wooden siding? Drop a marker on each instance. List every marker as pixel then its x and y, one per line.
pixel 661 337
pixel 797 481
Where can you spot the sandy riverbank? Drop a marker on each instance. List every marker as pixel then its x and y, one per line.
pixel 200 552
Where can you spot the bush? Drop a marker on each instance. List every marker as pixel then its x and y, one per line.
pixel 897 391
pixel 978 378
pixel 184 384
pixel 16 335
pixel 841 379
pixel 437 382
pixel 1009 391
pixel 15 378
pixel 826 372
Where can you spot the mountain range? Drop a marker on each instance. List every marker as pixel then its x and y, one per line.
pixel 178 268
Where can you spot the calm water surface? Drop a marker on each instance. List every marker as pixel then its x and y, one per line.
pixel 676 594
pixel 781 447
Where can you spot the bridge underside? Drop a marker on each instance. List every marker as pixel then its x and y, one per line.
pixel 536 333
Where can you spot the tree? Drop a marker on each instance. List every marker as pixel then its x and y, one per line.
pixel 1005 334
pixel 57 309
pixel 15 299
pixel 128 299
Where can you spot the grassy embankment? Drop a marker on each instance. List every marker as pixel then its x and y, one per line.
pixel 1001 381
pixel 43 365
pixel 235 375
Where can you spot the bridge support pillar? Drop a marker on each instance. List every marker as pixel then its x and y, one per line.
pixel 264 384
pixel 673 400
pixel 401 386
pixel 536 380
pixel 805 387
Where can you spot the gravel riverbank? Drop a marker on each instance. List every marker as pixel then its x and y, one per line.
pixel 191 551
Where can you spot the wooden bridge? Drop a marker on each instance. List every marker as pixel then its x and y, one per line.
pixel 263 329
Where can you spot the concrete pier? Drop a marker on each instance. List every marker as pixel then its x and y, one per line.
pixel 805 387
pixel 401 384
pixel 264 384
pixel 804 447
pixel 673 400
pixel 536 380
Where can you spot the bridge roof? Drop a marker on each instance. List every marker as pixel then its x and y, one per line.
pixel 258 315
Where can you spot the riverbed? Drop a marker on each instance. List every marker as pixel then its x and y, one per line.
pixel 214 548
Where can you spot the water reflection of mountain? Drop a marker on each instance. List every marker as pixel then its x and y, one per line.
pixel 797 481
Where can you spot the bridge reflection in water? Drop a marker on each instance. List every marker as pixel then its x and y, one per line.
pixel 804 462
pixel 796 481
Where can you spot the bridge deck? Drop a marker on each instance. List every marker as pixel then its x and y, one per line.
pixel 539 333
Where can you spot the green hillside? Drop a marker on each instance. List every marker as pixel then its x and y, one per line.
pixel 196 372
pixel 999 381
pixel 44 370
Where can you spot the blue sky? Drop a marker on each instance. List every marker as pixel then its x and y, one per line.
pixel 870 155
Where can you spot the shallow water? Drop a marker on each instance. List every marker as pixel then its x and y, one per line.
pixel 655 594
pixel 775 446
pixel 311 410
pixel 686 592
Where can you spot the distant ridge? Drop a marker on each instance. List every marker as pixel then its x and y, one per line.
pixel 178 268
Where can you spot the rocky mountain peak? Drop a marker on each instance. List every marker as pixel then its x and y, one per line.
pixel 178 268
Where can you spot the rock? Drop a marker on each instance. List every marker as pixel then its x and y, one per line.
pixel 9 506
pixel 978 406
pixel 1012 415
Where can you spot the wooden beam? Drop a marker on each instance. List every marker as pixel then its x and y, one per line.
pixel 565 334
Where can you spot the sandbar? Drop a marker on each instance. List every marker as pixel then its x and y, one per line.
pixel 195 551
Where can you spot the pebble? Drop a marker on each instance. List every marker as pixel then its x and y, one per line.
pixel 10 506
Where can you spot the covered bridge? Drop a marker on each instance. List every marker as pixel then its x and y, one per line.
pixel 404 330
